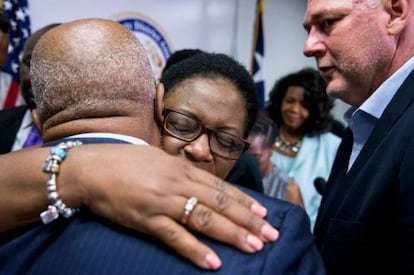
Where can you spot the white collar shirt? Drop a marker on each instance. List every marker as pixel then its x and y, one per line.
pixel 129 139
pixel 363 119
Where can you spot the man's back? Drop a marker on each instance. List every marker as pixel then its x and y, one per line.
pixel 88 244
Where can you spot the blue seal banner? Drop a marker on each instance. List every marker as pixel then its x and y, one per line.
pixel 152 37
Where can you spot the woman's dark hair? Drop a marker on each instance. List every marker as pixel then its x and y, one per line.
pixel 315 100
pixel 214 65
pixel 180 55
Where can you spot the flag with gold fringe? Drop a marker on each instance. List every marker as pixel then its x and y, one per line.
pixel 17 13
pixel 257 55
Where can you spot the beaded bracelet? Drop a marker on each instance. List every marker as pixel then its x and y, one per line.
pixel 51 165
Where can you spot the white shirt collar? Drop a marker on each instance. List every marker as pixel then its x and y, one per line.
pixel 126 138
pixel 379 100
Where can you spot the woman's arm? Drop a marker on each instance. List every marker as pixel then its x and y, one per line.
pixel 293 193
pixel 139 187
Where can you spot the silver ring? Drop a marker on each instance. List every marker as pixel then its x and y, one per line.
pixel 188 208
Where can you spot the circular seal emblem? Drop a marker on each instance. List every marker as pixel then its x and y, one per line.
pixel 152 37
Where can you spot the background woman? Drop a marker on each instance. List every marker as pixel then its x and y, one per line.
pixel 304 147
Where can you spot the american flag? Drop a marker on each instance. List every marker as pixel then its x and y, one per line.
pixel 17 12
pixel 258 54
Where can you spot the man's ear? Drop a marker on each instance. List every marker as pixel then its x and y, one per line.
pixel 399 11
pixel 36 120
pixel 159 103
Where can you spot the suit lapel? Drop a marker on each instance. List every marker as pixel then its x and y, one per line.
pixel 333 188
pixel 397 106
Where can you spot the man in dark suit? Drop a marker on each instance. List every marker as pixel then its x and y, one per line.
pixel 10 123
pixel 365 50
pixel 80 97
pixel 16 123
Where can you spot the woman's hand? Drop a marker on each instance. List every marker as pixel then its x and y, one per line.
pixel 143 188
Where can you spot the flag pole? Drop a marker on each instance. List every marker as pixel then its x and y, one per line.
pixel 257 54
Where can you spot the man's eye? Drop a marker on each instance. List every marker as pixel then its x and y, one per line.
pixel 327 24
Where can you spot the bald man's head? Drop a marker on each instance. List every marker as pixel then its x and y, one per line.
pixel 91 68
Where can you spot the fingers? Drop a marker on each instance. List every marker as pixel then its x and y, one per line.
pixel 203 219
pixel 234 225
pixel 229 205
pixel 230 221
pixel 184 243
pixel 153 200
pixel 228 190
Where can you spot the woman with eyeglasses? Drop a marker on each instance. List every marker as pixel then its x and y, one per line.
pixel 210 105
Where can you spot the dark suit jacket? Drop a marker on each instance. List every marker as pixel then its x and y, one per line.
pixel 87 244
pixel 10 121
pixel 365 223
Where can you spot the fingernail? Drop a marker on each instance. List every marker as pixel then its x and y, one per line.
pixel 270 233
pixel 213 261
pixel 258 210
pixel 254 242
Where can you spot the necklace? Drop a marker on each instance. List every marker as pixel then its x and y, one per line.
pixel 287 146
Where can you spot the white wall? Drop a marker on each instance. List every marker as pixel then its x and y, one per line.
pixel 212 25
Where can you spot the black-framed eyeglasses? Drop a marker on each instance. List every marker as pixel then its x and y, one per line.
pixel 187 127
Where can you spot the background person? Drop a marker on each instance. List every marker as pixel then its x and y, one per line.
pixel 276 182
pixel 4 37
pixel 304 147
pixel 18 128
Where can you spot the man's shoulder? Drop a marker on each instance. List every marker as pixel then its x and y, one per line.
pixel 14 112
pixel 281 213
pixel 295 249
pixel 10 122
pixel 268 201
pixel 91 239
